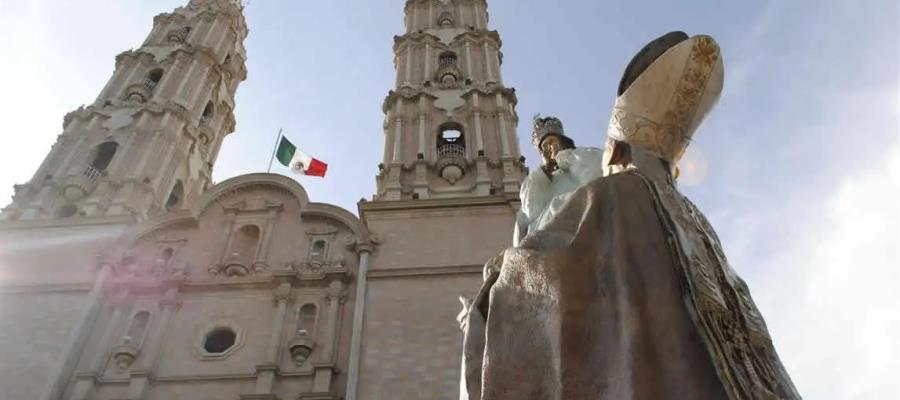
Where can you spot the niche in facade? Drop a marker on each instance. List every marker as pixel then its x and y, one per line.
pixel 176 195
pixel 244 244
pixel 129 346
pixel 320 255
pixel 138 327
pixel 207 114
pixel 246 237
pixel 303 343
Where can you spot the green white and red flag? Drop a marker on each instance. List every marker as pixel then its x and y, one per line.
pixel 300 162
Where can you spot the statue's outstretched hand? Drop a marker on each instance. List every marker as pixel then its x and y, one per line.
pixel 462 318
pixel 564 159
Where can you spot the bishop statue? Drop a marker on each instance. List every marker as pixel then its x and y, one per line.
pixel 617 287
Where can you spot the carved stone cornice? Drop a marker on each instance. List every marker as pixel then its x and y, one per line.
pixel 150 106
pixel 414 94
pixel 407 93
pixel 366 244
pixel 336 295
pixel 171 300
pixel 416 38
pixel 283 293
pixel 479 36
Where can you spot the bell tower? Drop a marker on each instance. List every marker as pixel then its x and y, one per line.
pixel 446 201
pixel 148 143
pixel 450 123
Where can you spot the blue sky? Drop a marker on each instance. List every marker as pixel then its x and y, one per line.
pixel 798 167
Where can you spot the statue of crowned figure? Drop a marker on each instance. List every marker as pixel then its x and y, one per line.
pixel 617 287
pixel 564 168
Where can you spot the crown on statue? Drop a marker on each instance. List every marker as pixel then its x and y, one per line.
pixel 545 126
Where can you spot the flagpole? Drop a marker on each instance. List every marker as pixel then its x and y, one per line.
pixel 277 142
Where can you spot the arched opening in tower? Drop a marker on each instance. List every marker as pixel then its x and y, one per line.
pixel 451 140
pixel 175 196
pixel 103 155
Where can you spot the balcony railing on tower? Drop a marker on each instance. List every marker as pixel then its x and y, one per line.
pixel 150 84
pixel 92 173
pixel 448 149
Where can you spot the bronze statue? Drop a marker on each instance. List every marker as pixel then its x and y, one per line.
pixel 624 293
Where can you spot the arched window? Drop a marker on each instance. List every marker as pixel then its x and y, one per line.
pixel 153 79
pixel 243 246
pixel 207 113
pixel 306 321
pixel 138 327
pixel 103 155
pixel 175 196
pixel 451 141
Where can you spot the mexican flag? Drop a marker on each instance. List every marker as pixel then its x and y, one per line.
pixel 300 162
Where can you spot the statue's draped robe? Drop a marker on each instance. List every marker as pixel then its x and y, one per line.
pixel 624 295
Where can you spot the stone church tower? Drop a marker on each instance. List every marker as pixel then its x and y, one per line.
pixel 126 274
pixel 148 142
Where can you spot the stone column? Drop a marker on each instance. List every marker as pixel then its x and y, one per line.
pixel 469 61
pixel 488 63
pixel 168 78
pixel 75 342
pixel 84 382
pixel 226 236
pixel 265 378
pixel 222 36
pixel 212 28
pixel 408 66
pixel 325 374
pixel 146 365
pixel 428 61
pixel 398 138
pixel 184 82
pixel 262 251
pixel 501 117
pixel 422 130
pixel 336 297
pixel 359 309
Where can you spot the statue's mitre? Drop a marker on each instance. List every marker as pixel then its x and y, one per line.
pixel 545 126
pixel 667 90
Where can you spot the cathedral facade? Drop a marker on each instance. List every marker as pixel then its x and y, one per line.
pixel 128 274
